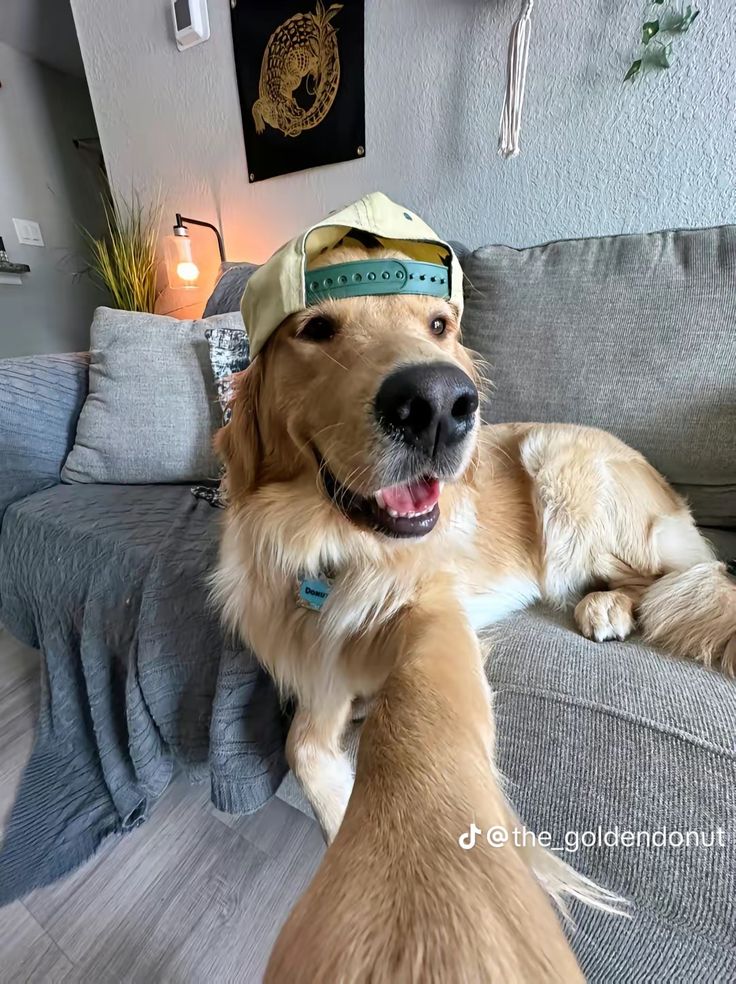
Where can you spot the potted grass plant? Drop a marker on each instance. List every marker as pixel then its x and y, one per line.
pixel 123 259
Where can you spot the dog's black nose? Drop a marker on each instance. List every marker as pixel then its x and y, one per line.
pixel 429 406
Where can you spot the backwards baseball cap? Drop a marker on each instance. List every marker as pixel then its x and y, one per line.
pixel 283 285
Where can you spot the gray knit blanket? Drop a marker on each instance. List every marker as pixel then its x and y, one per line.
pixel 138 680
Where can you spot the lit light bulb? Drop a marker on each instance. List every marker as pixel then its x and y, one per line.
pixel 187 270
pixel 182 272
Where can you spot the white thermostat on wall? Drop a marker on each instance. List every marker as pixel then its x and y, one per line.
pixel 191 22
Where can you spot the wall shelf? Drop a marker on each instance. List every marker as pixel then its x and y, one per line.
pixel 9 271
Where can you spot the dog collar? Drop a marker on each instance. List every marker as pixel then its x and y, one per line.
pixel 364 277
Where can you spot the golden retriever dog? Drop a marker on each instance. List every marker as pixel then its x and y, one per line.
pixel 355 451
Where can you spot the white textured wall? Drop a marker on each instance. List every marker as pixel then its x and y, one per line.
pixel 43 177
pixel 598 157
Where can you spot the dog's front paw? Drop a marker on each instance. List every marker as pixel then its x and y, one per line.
pixel 605 615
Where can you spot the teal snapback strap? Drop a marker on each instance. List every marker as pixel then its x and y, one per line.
pixel 363 277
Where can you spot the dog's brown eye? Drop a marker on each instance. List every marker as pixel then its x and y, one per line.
pixel 438 326
pixel 318 329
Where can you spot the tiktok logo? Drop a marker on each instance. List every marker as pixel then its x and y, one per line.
pixel 467 840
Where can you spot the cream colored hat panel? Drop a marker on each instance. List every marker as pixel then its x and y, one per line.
pixel 277 289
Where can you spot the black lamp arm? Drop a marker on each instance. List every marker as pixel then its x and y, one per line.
pixel 181 219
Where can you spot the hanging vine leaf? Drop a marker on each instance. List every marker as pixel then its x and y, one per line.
pixel 649 30
pixel 678 21
pixel 673 20
pixel 659 56
pixel 687 18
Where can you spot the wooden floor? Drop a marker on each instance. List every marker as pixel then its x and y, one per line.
pixel 191 896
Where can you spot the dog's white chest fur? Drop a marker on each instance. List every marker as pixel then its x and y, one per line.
pixel 365 602
pixel 509 595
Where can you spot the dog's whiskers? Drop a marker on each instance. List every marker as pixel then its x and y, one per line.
pixel 301 447
pixel 362 356
pixel 332 359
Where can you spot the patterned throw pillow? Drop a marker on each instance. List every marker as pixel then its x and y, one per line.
pixel 229 354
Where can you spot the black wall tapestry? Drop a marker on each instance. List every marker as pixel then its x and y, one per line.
pixel 300 74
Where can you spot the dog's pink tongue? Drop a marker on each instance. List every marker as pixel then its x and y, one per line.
pixel 416 497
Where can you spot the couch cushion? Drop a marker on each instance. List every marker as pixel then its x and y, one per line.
pixel 634 334
pixel 619 735
pixel 723 542
pixel 40 400
pixel 152 407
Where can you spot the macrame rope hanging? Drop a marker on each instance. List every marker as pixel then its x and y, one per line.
pixel 508 140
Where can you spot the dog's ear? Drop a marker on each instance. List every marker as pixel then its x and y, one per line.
pixel 239 443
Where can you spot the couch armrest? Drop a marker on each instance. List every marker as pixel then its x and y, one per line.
pixel 40 400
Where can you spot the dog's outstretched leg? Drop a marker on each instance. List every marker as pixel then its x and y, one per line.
pixel 402 895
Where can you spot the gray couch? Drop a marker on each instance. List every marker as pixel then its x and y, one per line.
pixel 635 334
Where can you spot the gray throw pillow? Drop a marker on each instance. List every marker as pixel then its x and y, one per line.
pixel 152 407
pixel 228 291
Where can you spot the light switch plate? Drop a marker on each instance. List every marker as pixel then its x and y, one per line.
pixel 28 232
